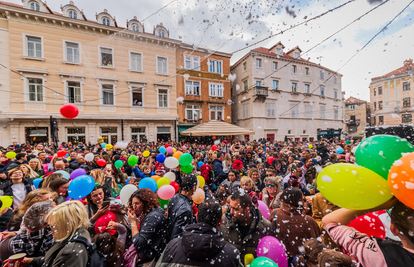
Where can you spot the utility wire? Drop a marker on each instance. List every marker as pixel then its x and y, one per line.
pixel 159 10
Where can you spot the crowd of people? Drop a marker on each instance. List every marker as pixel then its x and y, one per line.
pixel 224 230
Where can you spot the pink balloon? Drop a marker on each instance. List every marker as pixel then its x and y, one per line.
pixel 166 192
pixel 170 149
pixel 264 209
pixel 184 148
pixel 271 248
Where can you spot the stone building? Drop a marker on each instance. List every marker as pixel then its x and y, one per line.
pixel 357 117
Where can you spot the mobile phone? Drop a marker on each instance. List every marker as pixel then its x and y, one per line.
pixel 106 203
pixel 108 166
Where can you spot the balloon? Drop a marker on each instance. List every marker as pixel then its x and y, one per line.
pixel 386 221
pixel 102 223
pixel 162 181
pixel 175 185
pixel 187 169
pixel 174 150
pixel 214 147
pixel 379 152
pixel 185 159
pixel 7 202
pixel 69 111
pixel 101 162
pixel 77 173
pixel 132 160
pixel 171 162
pixel 270 247
pixel 369 224
pixel 310 146
pixel 109 146
pixel 170 149
pixel 400 180
pixel 11 155
pixel 36 182
pixel 201 181
pixel 264 209
pixel 339 150
pixel 65 174
pixel 126 192
pixel 160 158
pixel 61 153
pixel 198 196
pixel 170 176
pixel 347 142
pixel 155 177
pixel 121 144
pixel 263 262
pixel 166 192
pixel 119 163
pixel 148 183
pixel 127 181
pixel 270 160
pixel 146 154
pixel 167 145
pixel 89 157
pixel 183 148
pixel 162 150
pixel 177 154
pixel 353 187
pixel 81 187
pixel 103 145
pixel 163 203
pixel 200 163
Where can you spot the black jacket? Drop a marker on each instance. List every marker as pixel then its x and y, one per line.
pixel 180 214
pixel 5 218
pixel 73 165
pixel 219 174
pixel 6 187
pixel 14 164
pixel 201 245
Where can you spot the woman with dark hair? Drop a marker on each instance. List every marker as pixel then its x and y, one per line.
pixel 95 206
pixel 147 225
pixel 231 183
pixel 60 186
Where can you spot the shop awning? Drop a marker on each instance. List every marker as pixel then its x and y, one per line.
pixel 182 128
pixel 216 128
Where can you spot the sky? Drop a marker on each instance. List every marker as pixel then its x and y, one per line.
pixel 228 25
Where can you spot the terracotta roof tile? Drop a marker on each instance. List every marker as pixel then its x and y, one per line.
pixel 10 4
pixel 267 51
pixel 354 100
pixel 407 68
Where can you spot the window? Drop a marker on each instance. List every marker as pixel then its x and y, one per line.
pixel 137 134
pixel 381 120
pixel 406 102
pixel 192 112
pixel 406 86
pixel 258 83
pixel 164 133
pixel 245 111
pixel 380 106
pixel 216 89
pixel 74 92
pixel 214 66
pixel 35 89
pixel 307 89
pixel 335 79
pixel 34 6
pixel 279 51
pixel 380 90
pixel 294 110
pixel 258 62
pixel 135 28
pixel 216 112
pixel 109 135
pixel 352 107
pixel 293 68
pixel 105 21
pixel 72 52
pixel 375 105
pixel 335 94
pixel 106 57
pixel 306 71
pixel 294 87
pixel 322 91
pixel 322 75
pixel 191 62
pixel 75 135
pixel 407 118
pixel 244 66
pixel 162 65
pixel 136 61
pixel 187 62
pixel 275 85
pixel 352 128
pixel 108 94
pixel 270 107
pixel 34 46
pixel 322 111
pixel 72 14
pixel 137 97
pixel 336 113
pixel 163 98
pixel 352 118
pixel 374 121
pixel 274 65
pixel 161 33
pixel 296 55
pixel 289 131
pixel 192 88
pixel 308 110
pixel 375 92
pixel 245 85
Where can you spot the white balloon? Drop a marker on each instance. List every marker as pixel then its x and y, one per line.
pixel 386 221
pixel 126 193
pixel 89 157
pixel 171 162
pixel 170 176
pixel 122 144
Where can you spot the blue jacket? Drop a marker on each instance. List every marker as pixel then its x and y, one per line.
pixel 219 174
pixel 139 174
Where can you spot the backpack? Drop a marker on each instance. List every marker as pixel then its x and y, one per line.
pixel 96 259
pixel 130 257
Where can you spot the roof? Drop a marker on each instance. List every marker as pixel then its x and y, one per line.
pixel 354 100
pixel 293 49
pixel 268 52
pixel 407 68
pixel 10 4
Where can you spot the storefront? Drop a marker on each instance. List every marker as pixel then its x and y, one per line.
pixel 75 135
pixel 183 127
pixel 37 135
pixel 138 134
pixel 163 134
pixel 109 134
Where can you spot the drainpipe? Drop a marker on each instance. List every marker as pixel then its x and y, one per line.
pixel 122 129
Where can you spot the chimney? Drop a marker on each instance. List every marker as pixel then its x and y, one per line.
pixel 408 62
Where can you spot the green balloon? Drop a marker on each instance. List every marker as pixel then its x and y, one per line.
pixel 379 152
pixel 118 164
pixel 263 262
pixel 187 169
pixel 132 160
pixel 185 159
pixel 162 181
pixel 347 142
pixel 164 203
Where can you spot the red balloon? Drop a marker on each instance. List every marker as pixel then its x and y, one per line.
pixel 69 111
pixel 214 147
pixel 61 153
pixel 369 224
pixel 175 185
pixel 101 162
pixel 270 160
pixel 167 145
pixel 102 222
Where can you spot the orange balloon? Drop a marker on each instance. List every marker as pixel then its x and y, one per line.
pixel 198 196
pixel 401 180
pixel 177 155
pixel 155 177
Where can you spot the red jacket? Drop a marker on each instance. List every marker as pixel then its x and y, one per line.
pixel 207 173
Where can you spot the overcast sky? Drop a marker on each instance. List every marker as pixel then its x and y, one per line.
pixel 229 25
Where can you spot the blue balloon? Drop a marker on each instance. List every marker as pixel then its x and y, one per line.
pixel 36 182
pixel 65 174
pixel 127 181
pixel 162 150
pixel 148 183
pixel 103 145
pixel 81 187
pixel 160 158
pixel 339 150
pixel 200 163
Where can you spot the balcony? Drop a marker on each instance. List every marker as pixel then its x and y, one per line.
pixel 261 91
pixel 353 122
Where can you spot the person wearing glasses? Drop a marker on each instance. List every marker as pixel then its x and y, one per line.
pixel 270 193
pixel 17 187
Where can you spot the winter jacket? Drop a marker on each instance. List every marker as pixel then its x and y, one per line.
pixel 7 190
pixel 26 242
pixel 5 218
pixel 259 228
pixel 73 165
pixel 206 172
pixel 139 174
pixel 271 204
pixel 13 164
pixel 219 174
pixel 201 245
pixel 180 214
pixel 150 240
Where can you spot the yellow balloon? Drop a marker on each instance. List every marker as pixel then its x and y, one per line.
pixel 201 181
pixel 310 146
pixel 146 154
pixel 108 146
pixel 174 150
pixel 7 201
pixel 353 187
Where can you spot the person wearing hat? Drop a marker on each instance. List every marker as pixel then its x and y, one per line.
pixel 160 171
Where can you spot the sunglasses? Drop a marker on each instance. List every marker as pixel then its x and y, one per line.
pixel 271 185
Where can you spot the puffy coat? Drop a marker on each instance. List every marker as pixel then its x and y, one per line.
pixel 206 172
pixel 219 174
pixel 180 214
pixel 7 190
pixel 201 245
pixel 259 228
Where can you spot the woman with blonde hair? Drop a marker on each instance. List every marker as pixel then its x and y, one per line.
pixel 50 178
pixel 270 194
pixel 28 172
pixel 38 195
pixel 226 163
pixel 36 165
pixel 110 187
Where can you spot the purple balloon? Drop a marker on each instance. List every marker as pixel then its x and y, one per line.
pixel 271 248
pixel 77 173
pixel 264 209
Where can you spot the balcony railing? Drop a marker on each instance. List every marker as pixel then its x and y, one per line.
pixel 262 91
pixel 353 122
